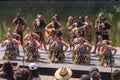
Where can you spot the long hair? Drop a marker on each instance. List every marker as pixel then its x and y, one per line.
pixel 7 70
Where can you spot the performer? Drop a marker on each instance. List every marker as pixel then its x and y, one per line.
pixel 57 46
pixel 97 27
pixel 70 32
pixel 39 28
pixel 11 47
pixel 14 36
pixel 106 54
pixel 89 28
pixel 82 52
pixel 55 25
pixel 20 25
pixel 31 48
pixel 50 40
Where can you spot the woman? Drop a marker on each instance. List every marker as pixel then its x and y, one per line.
pixel 70 33
pixel 7 71
pixel 106 54
pixel 31 48
pixel 39 28
pixel 11 47
pixel 82 52
pixel 33 67
pixel 57 46
pixel 50 40
pixel 89 28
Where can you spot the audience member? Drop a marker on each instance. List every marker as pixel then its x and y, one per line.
pixel 84 77
pixel 94 74
pixel 7 71
pixel 116 75
pixel 33 67
pixel 22 74
pixel 63 73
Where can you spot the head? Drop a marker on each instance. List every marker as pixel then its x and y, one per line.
pixel 95 75
pixel 99 38
pixel 39 16
pixel 101 16
pixel 57 16
pixel 7 67
pixel 116 75
pixel 63 73
pixel 54 19
pixel 28 30
pixel 93 69
pixel 22 74
pixel 84 77
pixel 33 67
pixel 80 40
pixel 58 38
pixel 53 32
pixel 87 18
pixel 9 30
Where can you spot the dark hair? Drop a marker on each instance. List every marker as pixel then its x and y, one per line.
pixel 57 16
pixel 34 73
pixel 95 75
pixel 93 69
pixel 116 75
pixel 7 70
pixel 22 74
pixel 84 77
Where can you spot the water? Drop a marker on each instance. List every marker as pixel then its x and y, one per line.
pixel 29 10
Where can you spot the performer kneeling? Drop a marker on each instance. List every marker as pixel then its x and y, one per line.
pixel 31 49
pixel 106 55
pixel 58 52
pixel 82 52
pixel 11 47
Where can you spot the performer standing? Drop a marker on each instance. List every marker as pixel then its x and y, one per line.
pixel 20 25
pixel 39 28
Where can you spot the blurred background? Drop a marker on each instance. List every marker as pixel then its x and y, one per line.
pixel 65 8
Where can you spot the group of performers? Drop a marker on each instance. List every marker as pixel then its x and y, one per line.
pixel 79 34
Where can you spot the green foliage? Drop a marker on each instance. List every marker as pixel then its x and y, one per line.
pixel 30 9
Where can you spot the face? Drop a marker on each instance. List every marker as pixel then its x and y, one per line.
pixel 9 30
pixel 28 30
pixel 86 18
pixel 99 38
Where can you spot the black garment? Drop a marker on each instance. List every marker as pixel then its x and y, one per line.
pixel 56 26
pixel 7 76
pixel 105 26
pixel 105 35
pixel 39 24
pixel 21 34
pixel 19 21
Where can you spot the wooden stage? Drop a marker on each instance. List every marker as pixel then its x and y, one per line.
pixel 49 68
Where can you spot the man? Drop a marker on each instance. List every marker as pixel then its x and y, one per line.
pixel 20 25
